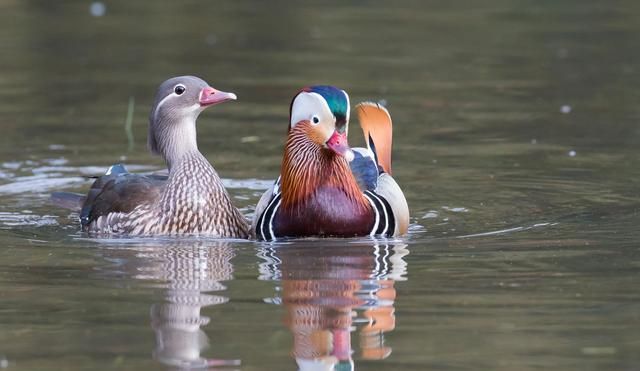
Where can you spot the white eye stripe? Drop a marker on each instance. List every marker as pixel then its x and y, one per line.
pixel 348 113
pixel 157 109
pixel 347 117
pixel 307 105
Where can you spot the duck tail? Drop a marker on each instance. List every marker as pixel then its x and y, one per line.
pixel 376 125
pixel 67 200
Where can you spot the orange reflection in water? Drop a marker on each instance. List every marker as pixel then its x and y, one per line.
pixel 330 293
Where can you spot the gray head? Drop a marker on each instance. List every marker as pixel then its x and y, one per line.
pixel 178 103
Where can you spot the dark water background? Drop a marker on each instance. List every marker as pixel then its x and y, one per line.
pixel 516 143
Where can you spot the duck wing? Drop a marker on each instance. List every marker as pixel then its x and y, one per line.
pixel 119 191
pixel 365 168
pixel 372 165
pixel 377 128
pixel 368 163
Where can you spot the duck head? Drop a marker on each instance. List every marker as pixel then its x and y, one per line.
pixel 326 109
pixel 172 122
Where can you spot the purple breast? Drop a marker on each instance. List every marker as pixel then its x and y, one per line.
pixel 327 212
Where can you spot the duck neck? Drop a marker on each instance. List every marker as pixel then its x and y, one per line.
pixel 308 166
pixel 173 136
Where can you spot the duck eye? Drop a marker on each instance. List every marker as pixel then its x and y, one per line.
pixel 179 89
pixel 315 119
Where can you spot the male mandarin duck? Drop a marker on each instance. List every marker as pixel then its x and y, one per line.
pixel 325 188
pixel 191 200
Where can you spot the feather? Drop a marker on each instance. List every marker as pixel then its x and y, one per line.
pixel 306 166
pixel 388 189
pixel 263 203
pixel 376 125
pixel 119 191
pixel 365 169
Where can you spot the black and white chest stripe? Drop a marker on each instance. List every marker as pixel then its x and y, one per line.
pixel 385 223
pixel 264 226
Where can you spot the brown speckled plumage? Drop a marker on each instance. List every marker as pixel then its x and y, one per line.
pixel 193 199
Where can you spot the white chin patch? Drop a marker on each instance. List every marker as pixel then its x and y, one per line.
pixel 194 110
pixel 349 155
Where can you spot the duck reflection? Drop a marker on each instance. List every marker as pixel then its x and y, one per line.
pixel 189 271
pixel 330 293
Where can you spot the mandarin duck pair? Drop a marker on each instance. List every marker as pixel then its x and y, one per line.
pixel 325 188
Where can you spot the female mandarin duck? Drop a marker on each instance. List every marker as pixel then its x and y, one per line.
pixel 191 200
pixel 325 188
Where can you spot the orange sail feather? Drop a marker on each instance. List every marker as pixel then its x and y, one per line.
pixel 376 125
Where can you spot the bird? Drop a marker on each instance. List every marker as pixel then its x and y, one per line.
pixel 190 200
pixel 326 188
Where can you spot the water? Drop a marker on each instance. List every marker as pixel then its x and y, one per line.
pixel 516 136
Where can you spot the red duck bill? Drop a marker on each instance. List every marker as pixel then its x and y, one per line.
pixel 338 143
pixel 210 96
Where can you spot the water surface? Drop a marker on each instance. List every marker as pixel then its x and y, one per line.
pixel 516 136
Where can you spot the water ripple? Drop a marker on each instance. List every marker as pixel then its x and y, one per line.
pixel 13 219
